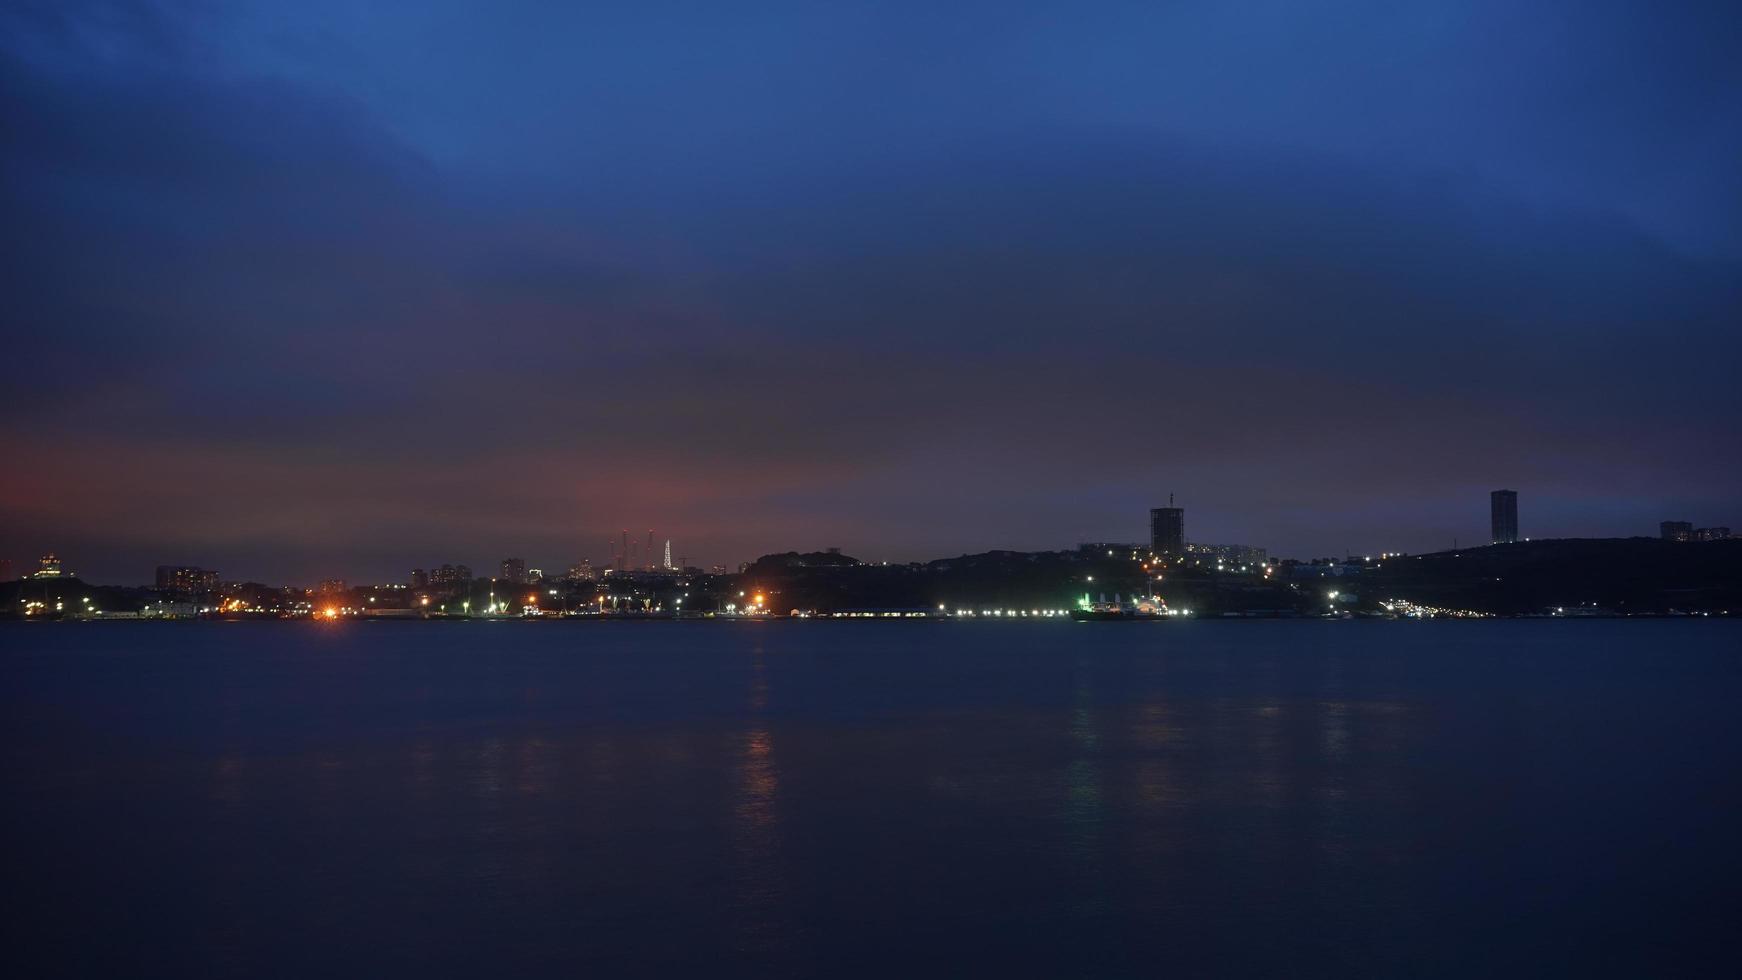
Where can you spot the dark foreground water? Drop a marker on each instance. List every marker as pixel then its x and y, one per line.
pixel 874 800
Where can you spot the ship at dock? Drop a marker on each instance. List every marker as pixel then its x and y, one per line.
pixel 1119 609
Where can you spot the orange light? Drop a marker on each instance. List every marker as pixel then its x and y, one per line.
pixel 532 600
pixel 759 598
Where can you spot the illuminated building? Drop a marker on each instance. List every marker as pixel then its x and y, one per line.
pixel 1228 554
pixel 582 572
pixel 186 578
pixel 1685 531
pixel 1503 516
pixel 419 578
pixel 48 566
pixel 450 575
pixel 1167 530
pixel 514 569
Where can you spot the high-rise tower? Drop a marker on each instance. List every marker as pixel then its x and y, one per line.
pixel 1167 530
pixel 1503 515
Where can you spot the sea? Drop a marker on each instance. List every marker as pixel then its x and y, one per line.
pixel 1516 798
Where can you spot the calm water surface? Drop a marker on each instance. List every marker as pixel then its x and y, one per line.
pixel 876 800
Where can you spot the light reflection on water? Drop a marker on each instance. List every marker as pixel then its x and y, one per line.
pixel 804 801
pixel 1084 804
pixel 758 909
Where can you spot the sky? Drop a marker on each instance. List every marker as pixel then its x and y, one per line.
pixel 339 289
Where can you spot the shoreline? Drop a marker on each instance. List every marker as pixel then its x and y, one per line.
pixel 843 617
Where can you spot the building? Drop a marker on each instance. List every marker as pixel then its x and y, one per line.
pixel 1503 516
pixel 582 571
pixel 48 566
pixel 1167 530
pixel 1228 554
pixel 186 578
pixel 514 569
pixel 331 586
pixel 419 579
pixel 1685 531
pixel 450 575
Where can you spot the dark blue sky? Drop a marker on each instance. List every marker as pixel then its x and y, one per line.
pixel 314 289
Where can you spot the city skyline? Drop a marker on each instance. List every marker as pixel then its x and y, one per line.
pixel 317 290
pixel 1166 526
pixel 871 488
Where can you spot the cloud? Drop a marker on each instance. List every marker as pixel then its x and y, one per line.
pixel 253 313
